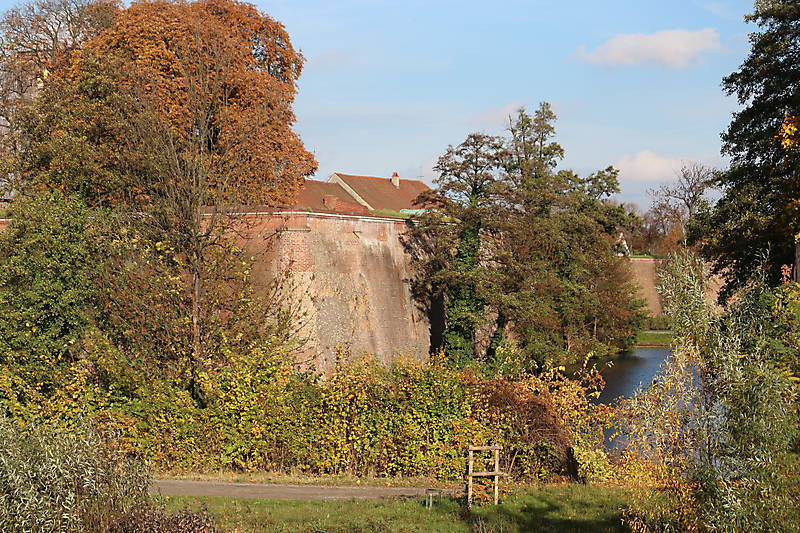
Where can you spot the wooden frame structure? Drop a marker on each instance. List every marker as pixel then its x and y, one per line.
pixel 494 473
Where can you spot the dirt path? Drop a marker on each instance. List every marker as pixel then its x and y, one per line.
pixel 181 487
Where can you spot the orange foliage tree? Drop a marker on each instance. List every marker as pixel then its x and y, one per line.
pixel 220 78
pixel 182 111
pixel 202 88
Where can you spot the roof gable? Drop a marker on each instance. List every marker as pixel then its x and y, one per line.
pixel 380 193
pixel 323 196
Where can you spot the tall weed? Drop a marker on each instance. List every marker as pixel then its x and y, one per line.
pixel 52 481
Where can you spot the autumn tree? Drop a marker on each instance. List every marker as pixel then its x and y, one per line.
pixel 711 439
pixel 789 138
pixel 181 111
pixel 569 292
pixel 221 86
pixel 37 39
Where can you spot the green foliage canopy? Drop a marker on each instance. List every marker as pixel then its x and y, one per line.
pixel 517 247
pixel 761 190
pixel 48 284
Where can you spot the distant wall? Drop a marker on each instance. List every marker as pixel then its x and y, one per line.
pixel 645 273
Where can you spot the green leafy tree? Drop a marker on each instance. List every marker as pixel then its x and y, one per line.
pixel 759 207
pixel 566 292
pixel 467 189
pixel 524 251
pixel 49 267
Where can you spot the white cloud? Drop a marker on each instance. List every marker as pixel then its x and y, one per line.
pixel 647 166
pixel 669 48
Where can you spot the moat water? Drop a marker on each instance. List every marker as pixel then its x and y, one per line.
pixel 624 375
pixel 630 371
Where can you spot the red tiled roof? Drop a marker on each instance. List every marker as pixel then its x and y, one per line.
pixel 326 197
pixel 381 194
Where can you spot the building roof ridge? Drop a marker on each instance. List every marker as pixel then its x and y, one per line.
pixel 343 174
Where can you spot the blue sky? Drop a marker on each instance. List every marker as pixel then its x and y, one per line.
pixel 389 84
pixel 636 83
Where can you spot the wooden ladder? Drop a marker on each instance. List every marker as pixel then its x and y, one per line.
pixel 495 473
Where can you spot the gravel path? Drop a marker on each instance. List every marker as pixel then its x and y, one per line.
pixel 180 487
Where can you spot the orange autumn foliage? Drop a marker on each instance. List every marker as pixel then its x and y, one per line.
pixel 221 66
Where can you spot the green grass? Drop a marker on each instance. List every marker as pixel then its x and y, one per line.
pixel 555 508
pixel 654 339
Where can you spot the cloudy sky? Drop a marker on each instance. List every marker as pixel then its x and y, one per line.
pixel 635 83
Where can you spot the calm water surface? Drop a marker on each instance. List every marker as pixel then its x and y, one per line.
pixel 625 375
pixel 629 371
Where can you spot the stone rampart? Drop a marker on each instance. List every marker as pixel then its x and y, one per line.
pixel 350 278
pixel 645 274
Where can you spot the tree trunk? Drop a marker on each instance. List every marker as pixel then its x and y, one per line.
pixel 197 342
pixel 796 269
pixel 497 337
pixel 197 345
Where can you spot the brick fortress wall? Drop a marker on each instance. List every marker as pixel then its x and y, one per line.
pixel 646 274
pixel 349 276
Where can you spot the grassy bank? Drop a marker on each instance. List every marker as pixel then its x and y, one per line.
pixel 654 338
pixel 577 508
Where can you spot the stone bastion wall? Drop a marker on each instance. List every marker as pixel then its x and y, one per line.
pixel 351 276
pixel 347 276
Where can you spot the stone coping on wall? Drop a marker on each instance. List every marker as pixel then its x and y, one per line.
pixel 266 212
pixel 316 214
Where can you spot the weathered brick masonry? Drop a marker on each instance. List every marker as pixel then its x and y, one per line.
pixel 349 274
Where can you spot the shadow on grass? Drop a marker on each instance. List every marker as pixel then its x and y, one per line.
pixel 550 513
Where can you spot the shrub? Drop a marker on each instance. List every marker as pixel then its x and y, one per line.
pixel 711 438
pixel 52 481
pixel 366 419
pixel 149 518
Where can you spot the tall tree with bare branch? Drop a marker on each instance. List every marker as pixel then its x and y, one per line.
pixel 181 111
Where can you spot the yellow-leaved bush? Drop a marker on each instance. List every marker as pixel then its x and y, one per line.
pixel 413 418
